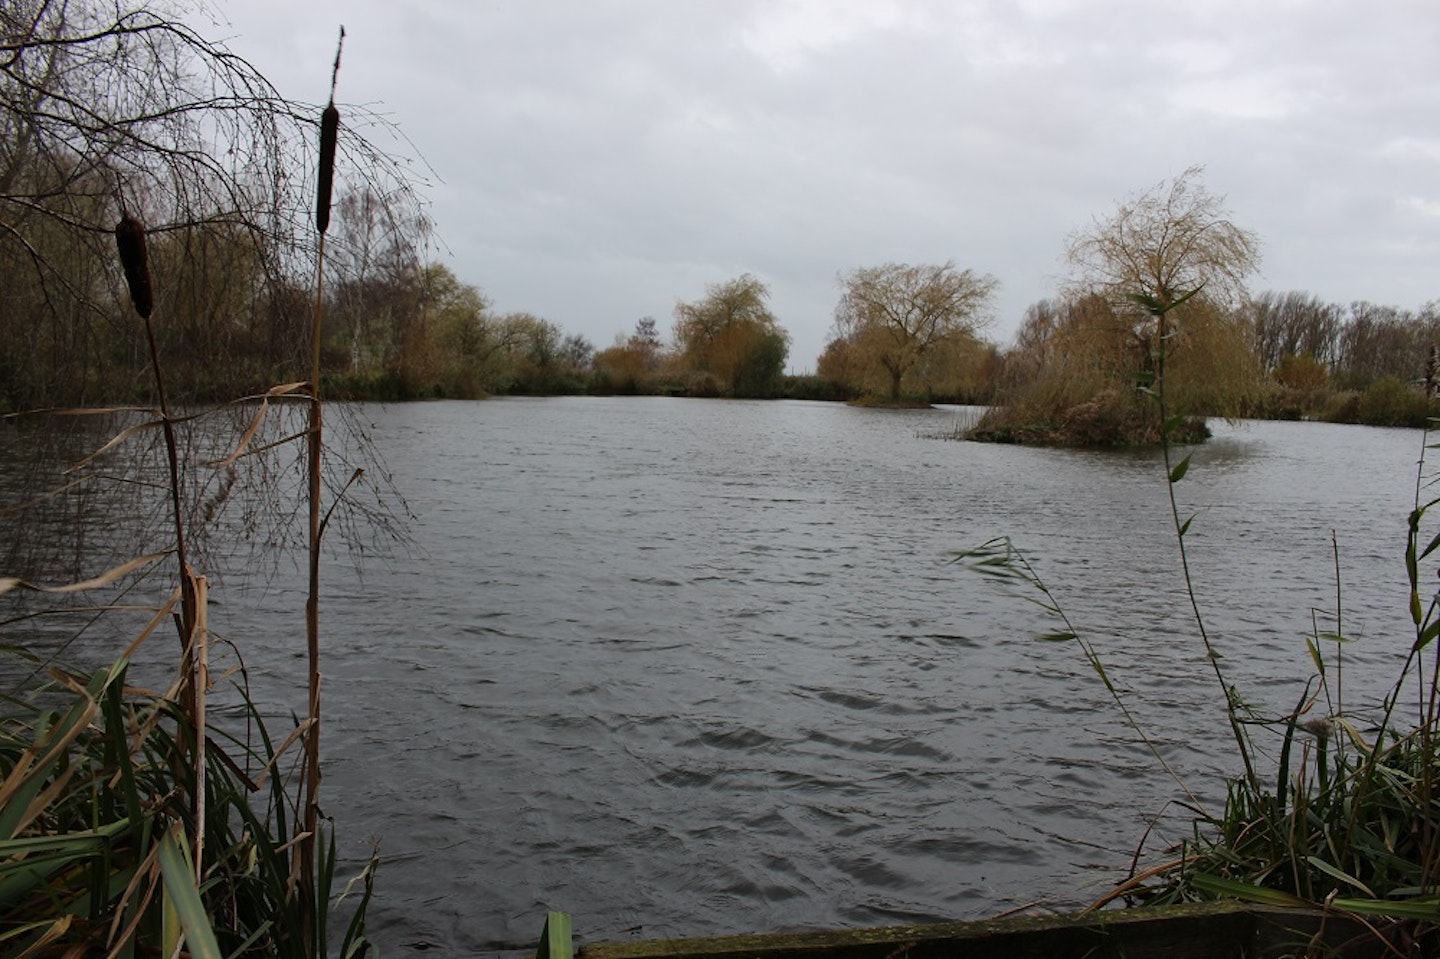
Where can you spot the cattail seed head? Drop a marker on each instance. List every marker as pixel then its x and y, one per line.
pixel 329 131
pixel 1319 727
pixel 130 240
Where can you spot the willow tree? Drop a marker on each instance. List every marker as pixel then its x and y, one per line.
pixel 107 107
pixel 731 335
pixel 894 317
pixel 1174 238
pixel 1174 267
pixel 1157 300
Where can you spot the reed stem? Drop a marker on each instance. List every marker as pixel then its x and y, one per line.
pixel 329 133
pixel 134 259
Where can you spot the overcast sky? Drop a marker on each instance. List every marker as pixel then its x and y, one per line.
pixel 594 161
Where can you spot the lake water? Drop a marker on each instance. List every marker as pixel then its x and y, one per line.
pixel 685 667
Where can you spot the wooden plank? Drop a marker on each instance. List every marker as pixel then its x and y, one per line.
pixel 1194 930
pixel 1304 932
pixel 1208 930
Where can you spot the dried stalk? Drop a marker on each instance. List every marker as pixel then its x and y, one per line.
pixel 329 131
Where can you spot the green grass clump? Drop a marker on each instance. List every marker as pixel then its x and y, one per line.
pixel 99 839
pixel 1353 831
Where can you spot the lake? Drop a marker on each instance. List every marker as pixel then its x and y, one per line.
pixel 684 667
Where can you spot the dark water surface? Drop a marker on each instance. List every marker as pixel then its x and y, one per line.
pixel 689 667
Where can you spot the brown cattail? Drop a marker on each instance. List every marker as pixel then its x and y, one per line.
pixel 130 240
pixel 329 131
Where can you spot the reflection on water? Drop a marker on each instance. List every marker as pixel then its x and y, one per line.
pixel 695 667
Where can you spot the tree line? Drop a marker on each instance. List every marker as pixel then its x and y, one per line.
pixel 108 111
pixel 902 332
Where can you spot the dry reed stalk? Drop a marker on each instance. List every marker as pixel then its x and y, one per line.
pixel 134 260
pixel 200 685
pixel 305 850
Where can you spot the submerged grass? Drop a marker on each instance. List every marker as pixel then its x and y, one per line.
pixel 1337 805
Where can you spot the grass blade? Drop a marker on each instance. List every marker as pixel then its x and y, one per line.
pixel 181 892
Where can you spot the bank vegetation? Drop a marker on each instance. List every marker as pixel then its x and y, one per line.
pixel 149 804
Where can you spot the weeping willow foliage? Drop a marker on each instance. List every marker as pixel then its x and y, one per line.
pixel 1084 366
pixel 1084 370
pixel 107 107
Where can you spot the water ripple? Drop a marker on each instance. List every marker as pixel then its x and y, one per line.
pixel 694 668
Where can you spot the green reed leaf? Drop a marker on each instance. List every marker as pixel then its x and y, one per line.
pixel 33 861
pixel 1245 891
pixel 1394 909
pixel 555 938
pixel 1178 473
pixel 26 779
pixel 1150 304
pixel 180 889
pixel 54 929
pixel 1353 734
pixel 1427 635
pixel 1334 872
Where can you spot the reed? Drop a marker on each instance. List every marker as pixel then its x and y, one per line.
pixel 91 796
pixel 1348 818
pixel 305 848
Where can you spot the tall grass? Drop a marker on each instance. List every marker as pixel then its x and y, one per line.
pixel 1339 806
pixel 96 789
pixel 130 823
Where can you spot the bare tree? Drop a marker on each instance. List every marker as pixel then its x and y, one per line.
pixel 1295 324
pixel 1377 341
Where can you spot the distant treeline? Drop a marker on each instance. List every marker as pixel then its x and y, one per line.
pixel 234 306
pixel 1280 355
pixel 398 329
pixel 1359 363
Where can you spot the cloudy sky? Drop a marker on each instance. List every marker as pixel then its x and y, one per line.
pixel 594 161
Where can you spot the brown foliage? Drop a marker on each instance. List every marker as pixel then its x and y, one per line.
pixel 910 327
pixel 731 335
